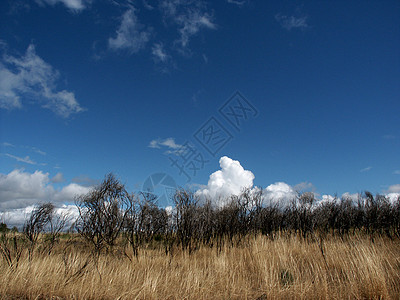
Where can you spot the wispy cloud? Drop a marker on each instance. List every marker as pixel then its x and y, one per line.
pixel 5 144
pixel 189 16
pixel 397 172
pixel 146 5
pixel 131 34
pixel 73 5
pixel 25 159
pixel 159 53
pixel 389 137
pixel 32 149
pixel 236 2
pixel 304 187
pixel 31 76
pixel 36 150
pixel 292 22
pixel 366 169
pixel 168 143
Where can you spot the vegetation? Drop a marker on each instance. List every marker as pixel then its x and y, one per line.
pixel 125 246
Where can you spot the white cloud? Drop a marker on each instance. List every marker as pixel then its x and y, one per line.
pixel 159 53
pixel 304 187
pixel 366 169
pixel 32 77
pixel 192 23
pixel 5 144
pixel 397 172
pixel 170 144
pixel 393 197
pixel 290 22
pixel 236 2
pixel 230 180
pixel 327 199
pixel 74 5
pixel 189 16
pixel 279 193
pixel 353 197
pixel 20 189
pixel 38 151
pixel 394 188
pixel 17 217
pixel 69 192
pixel 25 159
pixel 130 35
pixel 146 5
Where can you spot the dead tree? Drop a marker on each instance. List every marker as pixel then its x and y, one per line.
pixel 102 213
pixel 55 226
pixel 35 225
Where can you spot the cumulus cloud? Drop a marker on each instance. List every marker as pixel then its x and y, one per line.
pixel 393 193
pixel 394 188
pixel 20 189
pixel 230 180
pixel 292 22
pixel 30 76
pixel 353 197
pixel 279 193
pixel 393 197
pixel 17 217
pixel 327 199
pixel 73 5
pixel 131 35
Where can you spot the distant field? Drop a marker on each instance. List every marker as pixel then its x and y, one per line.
pixel 286 267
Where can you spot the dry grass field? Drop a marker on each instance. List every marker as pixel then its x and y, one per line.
pixel 260 268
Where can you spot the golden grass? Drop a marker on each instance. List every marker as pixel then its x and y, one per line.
pixel 285 268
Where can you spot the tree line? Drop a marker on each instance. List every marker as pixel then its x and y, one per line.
pixel 108 214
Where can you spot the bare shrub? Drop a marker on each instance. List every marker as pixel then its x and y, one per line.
pixel 102 213
pixel 36 224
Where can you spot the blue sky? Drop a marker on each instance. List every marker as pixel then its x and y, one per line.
pixel 89 87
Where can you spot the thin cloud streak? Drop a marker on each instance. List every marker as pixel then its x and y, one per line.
pixel 366 169
pixel 292 22
pixel 25 159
